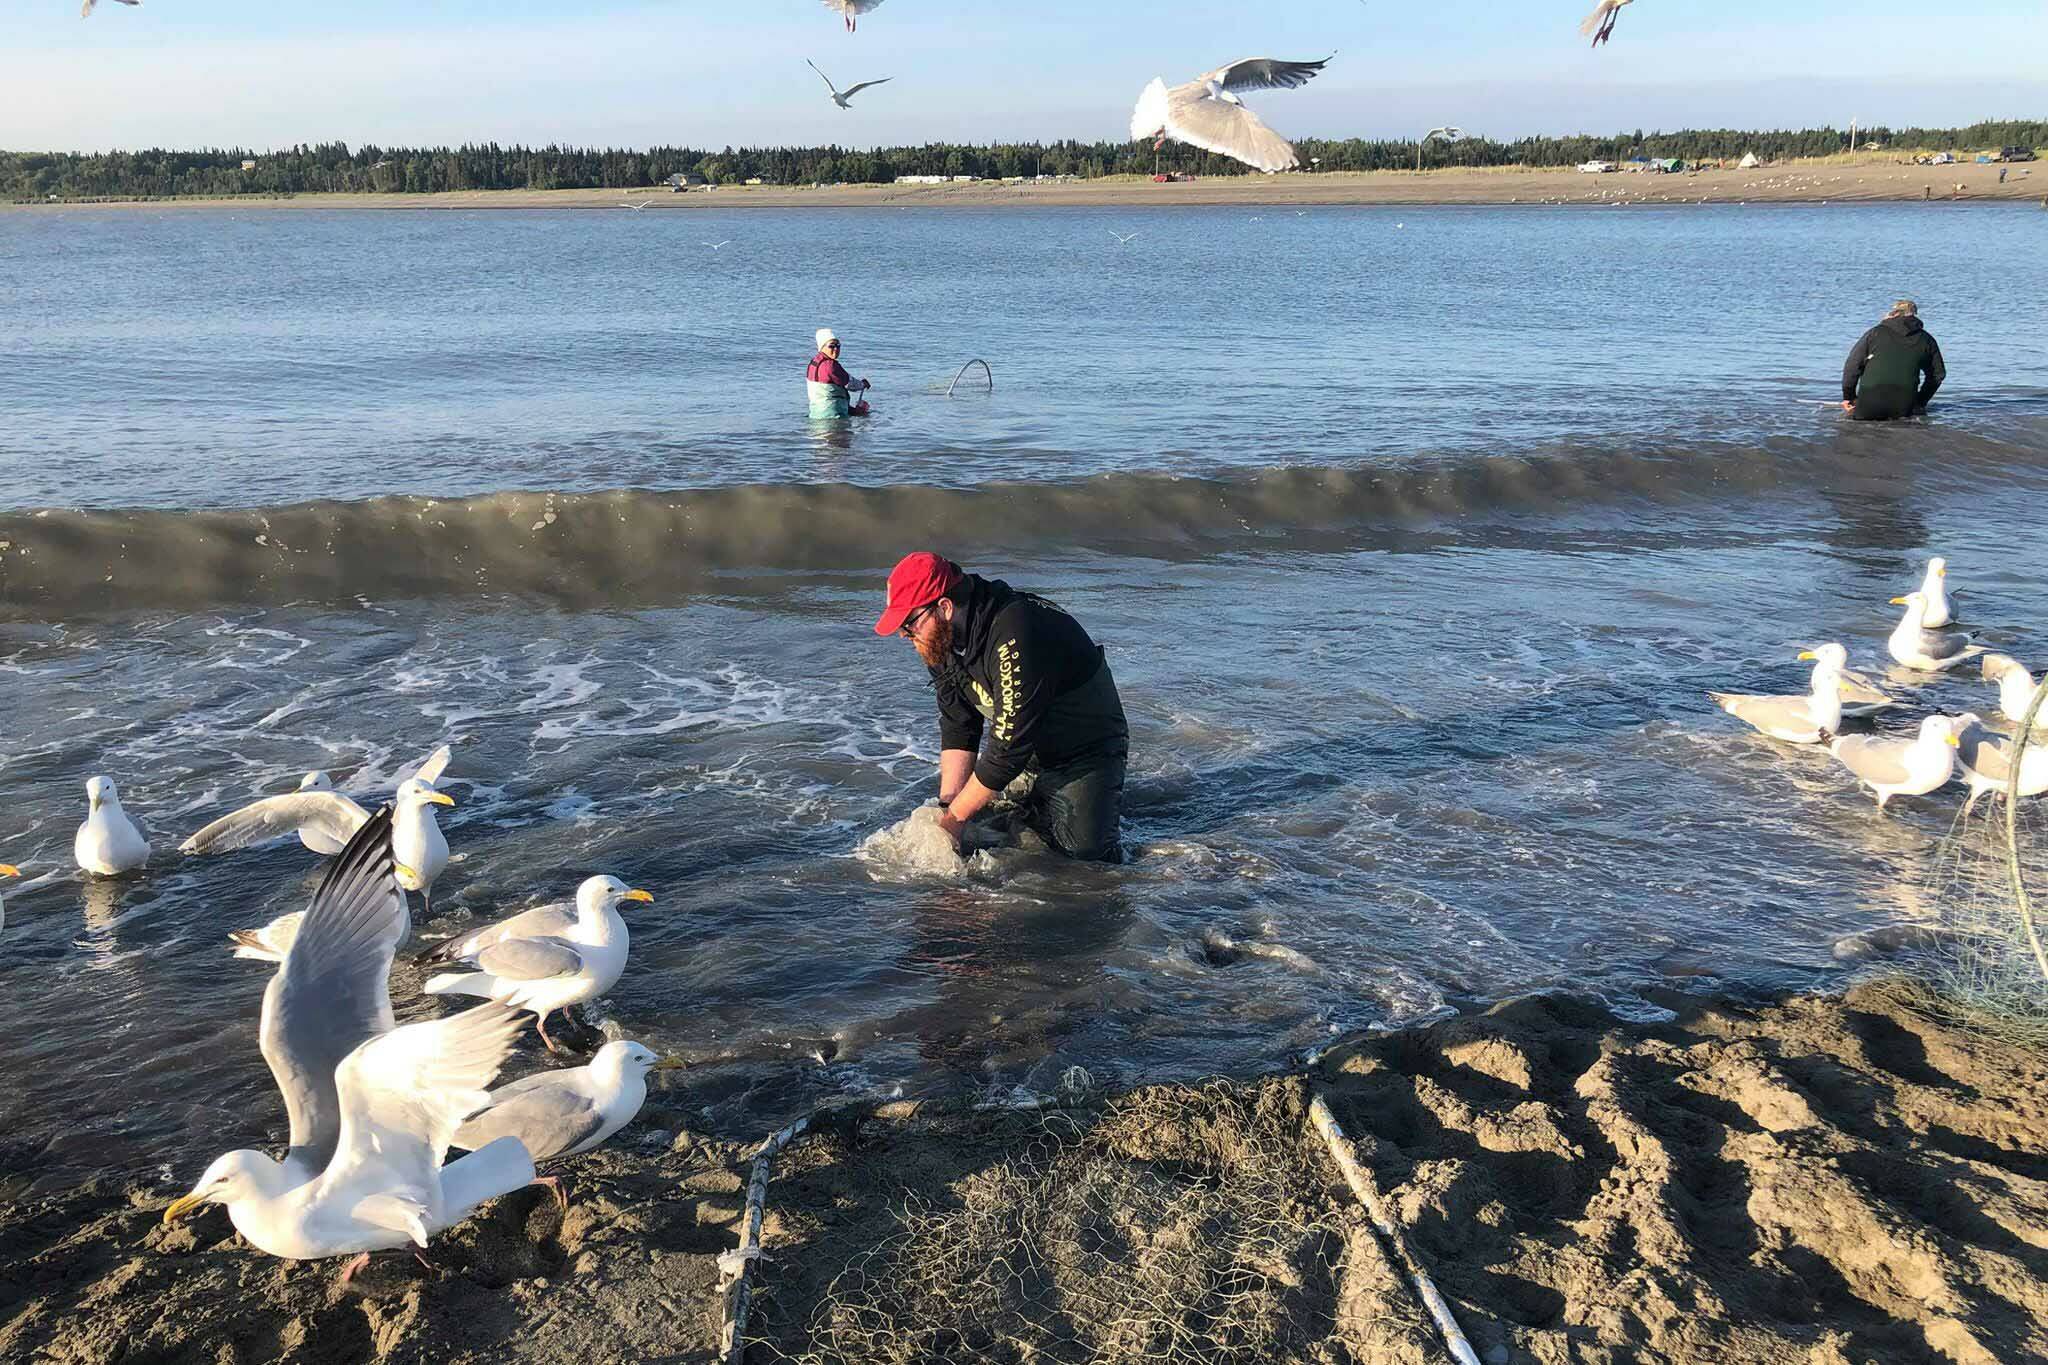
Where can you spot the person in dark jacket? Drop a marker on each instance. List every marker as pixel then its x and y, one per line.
pixel 1894 370
pixel 1021 688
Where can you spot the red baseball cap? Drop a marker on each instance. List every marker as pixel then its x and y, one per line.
pixel 917 581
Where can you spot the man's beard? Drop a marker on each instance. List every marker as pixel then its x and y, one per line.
pixel 941 637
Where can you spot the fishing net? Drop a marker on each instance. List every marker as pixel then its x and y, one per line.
pixel 1991 882
pixel 1189 1226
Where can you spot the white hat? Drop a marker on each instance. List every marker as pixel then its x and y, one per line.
pixel 825 335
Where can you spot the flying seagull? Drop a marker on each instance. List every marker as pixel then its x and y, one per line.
pixel 715 245
pixel 1122 238
pixel 636 207
pixel 85 10
pixel 840 97
pixel 1207 113
pixel 852 9
pixel 1599 24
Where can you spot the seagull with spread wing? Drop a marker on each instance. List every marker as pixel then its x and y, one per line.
pixel 1599 25
pixel 85 10
pixel 840 97
pixel 1207 113
pixel 373 1107
pixel 851 9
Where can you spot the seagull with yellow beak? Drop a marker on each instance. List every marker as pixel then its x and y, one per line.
pixel 546 959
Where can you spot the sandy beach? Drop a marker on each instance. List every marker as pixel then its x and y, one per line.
pixel 1832 181
pixel 1807 1179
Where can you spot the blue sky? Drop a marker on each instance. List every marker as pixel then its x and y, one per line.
pixel 637 72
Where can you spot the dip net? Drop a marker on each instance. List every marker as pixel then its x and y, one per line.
pixel 1991 883
pixel 1171 1225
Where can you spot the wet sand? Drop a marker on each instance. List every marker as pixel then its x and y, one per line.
pixel 1793 182
pixel 1809 1179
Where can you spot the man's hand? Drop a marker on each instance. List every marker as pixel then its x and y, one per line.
pixel 952 827
pixel 1847 406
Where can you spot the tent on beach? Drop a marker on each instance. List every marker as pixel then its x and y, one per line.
pixel 1748 162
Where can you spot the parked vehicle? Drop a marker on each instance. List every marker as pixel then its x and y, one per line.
pixel 1595 167
pixel 2017 154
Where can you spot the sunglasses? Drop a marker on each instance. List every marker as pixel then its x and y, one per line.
pixel 908 630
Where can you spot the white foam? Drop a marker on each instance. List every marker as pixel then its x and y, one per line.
pixel 916 847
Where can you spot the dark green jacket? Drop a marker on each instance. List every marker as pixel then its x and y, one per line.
pixel 1897 355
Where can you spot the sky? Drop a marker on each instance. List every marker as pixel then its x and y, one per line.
pixel 634 73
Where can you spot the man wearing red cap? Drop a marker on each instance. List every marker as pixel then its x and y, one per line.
pixel 1021 689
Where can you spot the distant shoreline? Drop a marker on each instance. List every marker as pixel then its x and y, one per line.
pixel 1786 183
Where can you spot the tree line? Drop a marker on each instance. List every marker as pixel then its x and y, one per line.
pixel 335 166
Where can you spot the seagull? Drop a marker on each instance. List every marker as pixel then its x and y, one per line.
pixel 636 205
pixel 325 820
pixel 1901 767
pixel 1206 112
pixel 1600 23
pixel 1811 719
pixel 852 9
pixel 322 817
pixel 542 960
pixel 1934 588
pixel 840 97
pixel 715 245
pixel 1929 651
pixel 1122 238
pixel 6 870
pixel 108 844
pixel 1986 761
pixel 85 10
pixel 372 1107
pixel 569 1111
pixel 2016 689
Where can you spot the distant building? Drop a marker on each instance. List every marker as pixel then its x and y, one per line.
pixel 755 180
pixel 684 180
pixel 248 163
pixel 922 179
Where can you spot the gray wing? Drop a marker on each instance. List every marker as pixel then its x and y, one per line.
pixel 550 1118
pixel 1937 644
pixel 1984 754
pixel 332 991
pixel 853 90
pixel 1228 129
pixel 328 817
pixel 825 78
pixel 1772 715
pixel 530 959
pixel 1880 762
pixel 1266 73
pixel 539 922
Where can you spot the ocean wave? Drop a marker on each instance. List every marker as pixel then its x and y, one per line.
pixel 635 545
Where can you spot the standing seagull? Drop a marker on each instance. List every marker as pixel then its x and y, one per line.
pixel 1929 651
pixel 1207 113
pixel 1600 23
pixel 840 97
pixel 85 10
pixel 108 844
pixel 852 9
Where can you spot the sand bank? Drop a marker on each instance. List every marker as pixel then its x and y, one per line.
pixel 1814 1180
pixel 1793 182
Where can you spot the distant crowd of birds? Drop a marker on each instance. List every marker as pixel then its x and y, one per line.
pixel 374 1108
pixel 1944 747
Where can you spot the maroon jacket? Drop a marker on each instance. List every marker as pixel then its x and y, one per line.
pixel 825 370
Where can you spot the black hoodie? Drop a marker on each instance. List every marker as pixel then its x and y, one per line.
pixel 1027 671
pixel 1894 355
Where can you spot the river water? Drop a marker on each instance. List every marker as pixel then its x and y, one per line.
pixel 1415 537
